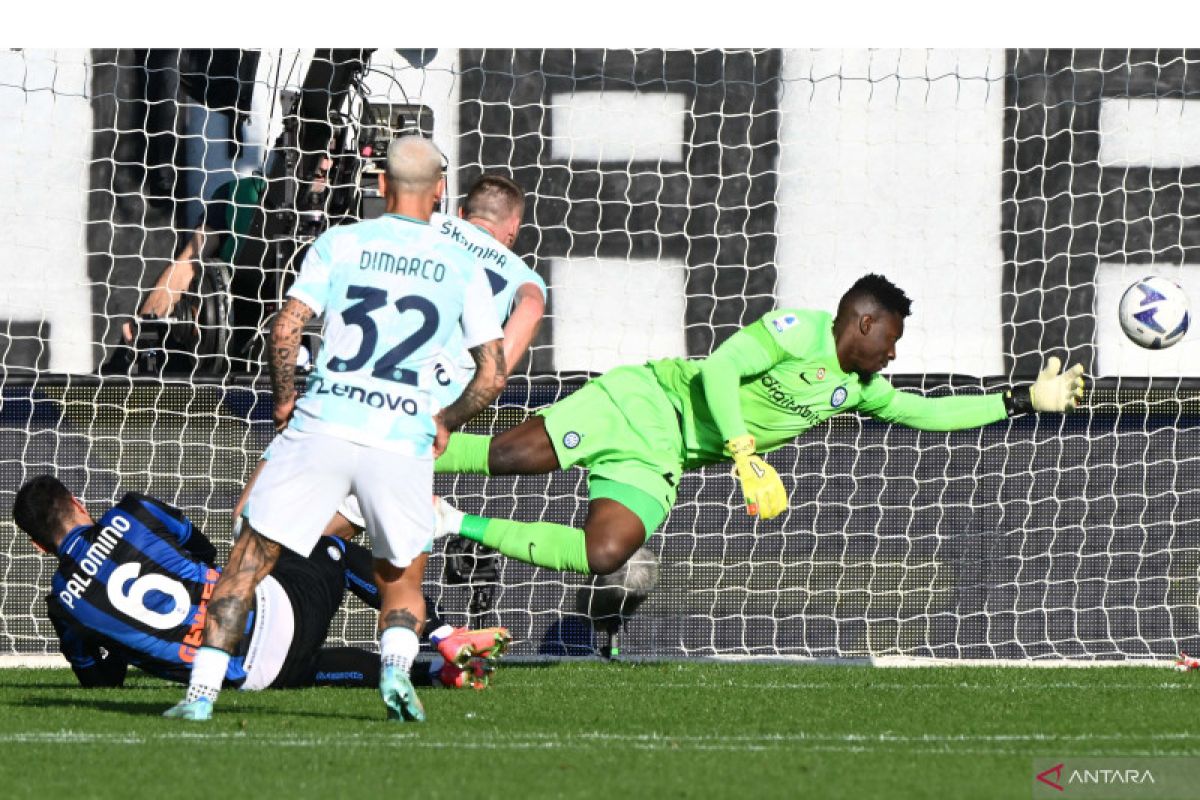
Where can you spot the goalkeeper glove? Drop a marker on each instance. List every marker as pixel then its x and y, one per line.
pixel 1050 392
pixel 764 492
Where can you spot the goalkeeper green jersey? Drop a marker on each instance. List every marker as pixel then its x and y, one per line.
pixel 780 376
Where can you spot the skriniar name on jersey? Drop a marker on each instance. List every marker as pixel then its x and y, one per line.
pixel 506 271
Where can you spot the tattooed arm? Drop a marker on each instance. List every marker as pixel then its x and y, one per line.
pixel 285 341
pixel 484 387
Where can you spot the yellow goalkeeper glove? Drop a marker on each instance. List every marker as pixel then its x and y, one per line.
pixel 1054 392
pixel 764 492
pixel 1051 391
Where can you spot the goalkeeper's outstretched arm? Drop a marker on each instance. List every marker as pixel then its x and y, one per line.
pixel 1054 391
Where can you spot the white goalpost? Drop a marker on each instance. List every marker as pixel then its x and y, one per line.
pixel 672 196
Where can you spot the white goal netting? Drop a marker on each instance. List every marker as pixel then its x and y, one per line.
pixel 672 197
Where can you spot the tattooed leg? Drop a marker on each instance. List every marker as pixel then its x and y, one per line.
pixel 252 558
pixel 402 603
pixel 399 618
pixel 401 613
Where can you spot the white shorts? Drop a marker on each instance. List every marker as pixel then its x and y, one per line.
pixel 309 475
pixel 352 511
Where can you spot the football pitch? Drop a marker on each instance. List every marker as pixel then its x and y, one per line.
pixel 595 729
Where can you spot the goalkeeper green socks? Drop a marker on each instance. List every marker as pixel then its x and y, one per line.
pixel 543 544
pixel 466 453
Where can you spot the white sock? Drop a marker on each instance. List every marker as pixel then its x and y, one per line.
pixel 398 648
pixel 208 673
pixel 449 519
pixel 441 633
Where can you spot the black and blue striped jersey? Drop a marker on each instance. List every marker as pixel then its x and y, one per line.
pixel 134 589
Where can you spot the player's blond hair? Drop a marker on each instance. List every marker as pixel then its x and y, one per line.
pixel 414 164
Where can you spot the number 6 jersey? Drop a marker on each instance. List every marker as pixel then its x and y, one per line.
pixel 139 580
pixel 393 291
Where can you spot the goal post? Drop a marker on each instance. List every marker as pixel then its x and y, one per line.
pixel 673 196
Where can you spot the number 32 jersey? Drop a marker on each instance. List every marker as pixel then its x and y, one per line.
pixel 394 291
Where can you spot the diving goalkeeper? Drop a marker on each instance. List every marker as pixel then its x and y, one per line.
pixel 638 428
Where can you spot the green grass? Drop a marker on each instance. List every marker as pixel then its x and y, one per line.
pixel 592 729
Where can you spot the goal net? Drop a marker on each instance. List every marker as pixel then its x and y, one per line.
pixel 673 196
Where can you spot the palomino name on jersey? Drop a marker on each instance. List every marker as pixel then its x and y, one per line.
pixel 92 560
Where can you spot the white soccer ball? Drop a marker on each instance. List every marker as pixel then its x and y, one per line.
pixel 1154 312
pixel 609 597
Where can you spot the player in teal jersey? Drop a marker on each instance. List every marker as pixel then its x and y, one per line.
pixel 637 428
pixel 391 290
pixel 486 227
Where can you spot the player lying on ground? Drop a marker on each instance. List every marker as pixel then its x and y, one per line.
pixel 133 589
pixel 392 291
pixel 487 226
pixel 637 428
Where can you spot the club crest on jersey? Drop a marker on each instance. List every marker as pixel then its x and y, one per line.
pixel 571 440
pixel 838 397
pixel 334 553
pixel 785 322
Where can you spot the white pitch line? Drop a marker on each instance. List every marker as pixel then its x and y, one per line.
pixel 808 741
pixel 1007 687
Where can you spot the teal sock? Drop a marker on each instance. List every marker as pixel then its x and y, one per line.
pixel 543 544
pixel 466 453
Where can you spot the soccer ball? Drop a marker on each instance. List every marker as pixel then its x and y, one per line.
pixel 1154 312
pixel 609 598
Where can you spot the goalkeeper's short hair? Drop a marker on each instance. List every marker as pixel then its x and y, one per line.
pixel 886 294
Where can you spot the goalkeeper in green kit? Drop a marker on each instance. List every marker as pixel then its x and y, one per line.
pixel 637 428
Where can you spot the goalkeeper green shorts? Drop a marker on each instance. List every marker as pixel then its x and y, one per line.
pixel 622 428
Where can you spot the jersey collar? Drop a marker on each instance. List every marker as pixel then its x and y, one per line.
pixel 407 219
pixel 829 345
pixel 72 537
